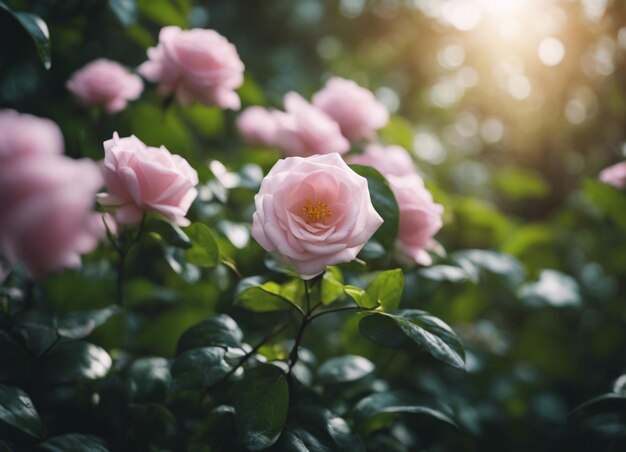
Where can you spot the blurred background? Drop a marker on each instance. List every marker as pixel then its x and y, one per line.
pixel 510 108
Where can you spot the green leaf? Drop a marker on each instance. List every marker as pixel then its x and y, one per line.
pixel 217 432
pixel 553 288
pixel 605 403
pixel 519 183
pixel 344 369
pixel 199 368
pixel 257 296
pixel 356 293
pixel 608 199
pixel 149 379
pixel 448 273
pixel 170 234
pixel 74 442
pixel 78 325
pixel 385 290
pixel 17 410
pixel 14 360
pixel 204 250
pixel 219 331
pixel 476 262
pixel 427 331
pixel 385 204
pixel 261 400
pixel 398 131
pixel 125 11
pixel 332 285
pixel 177 261
pixel 37 30
pixel 379 410
pixel 69 361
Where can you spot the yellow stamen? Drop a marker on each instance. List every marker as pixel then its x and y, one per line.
pixel 314 213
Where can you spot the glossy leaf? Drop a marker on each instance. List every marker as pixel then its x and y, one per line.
pixel 78 325
pixel 379 410
pixel 261 400
pixel 553 288
pixel 219 331
pixel 149 379
pixel 258 296
pixel 204 250
pixel 384 203
pixel 73 442
pixel 427 331
pixel 199 368
pixel 17 410
pixel 332 285
pixel 385 290
pixel 37 30
pixel 69 361
pixel 217 432
pixel 344 369
pixel 170 234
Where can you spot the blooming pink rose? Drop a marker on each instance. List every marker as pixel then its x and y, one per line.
pixel 105 83
pixel 140 178
pixel 46 217
pixel 257 126
pixel 389 160
pixel 305 130
pixel 314 211
pixel 355 109
pixel 615 175
pixel 23 135
pixel 197 65
pixel 420 217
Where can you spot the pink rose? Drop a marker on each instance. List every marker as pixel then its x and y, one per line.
pixel 305 130
pixel 257 126
pixel 314 211
pixel 197 65
pixel 389 160
pixel 105 83
pixel 140 178
pixel 46 217
pixel 420 217
pixel 355 109
pixel 615 175
pixel 23 135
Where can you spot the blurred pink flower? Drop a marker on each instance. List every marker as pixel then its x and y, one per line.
pixel 23 136
pixel 314 211
pixel 195 64
pixel 305 130
pixel 257 126
pixel 420 217
pixel 388 160
pixel 46 217
pixel 615 175
pixel 105 83
pixel 356 110
pixel 140 178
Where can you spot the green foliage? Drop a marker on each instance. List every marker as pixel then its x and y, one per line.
pixel 36 29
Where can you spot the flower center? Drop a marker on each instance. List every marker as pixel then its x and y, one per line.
pixel 314 213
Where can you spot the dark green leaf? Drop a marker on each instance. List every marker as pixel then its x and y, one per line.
pixel 261 400
pixel 474 262
pixel 445 273
pixel 149 379
pixel 385 204
pixel 344 369
pixel 151 426
pixel 216 433
pixel 17 410
pixel 125 11
pixel 74 442
pixel 332 285
pixel 170 234
pixel 381 409
pixel 204 250
pixel 78 325
pixel 199 368
pixel 605 403
pixel 220 330
pixel 14 361
pixel 177 260
pixel 69 361
pixel 430 333
pixel 385 290
pixel 37 30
